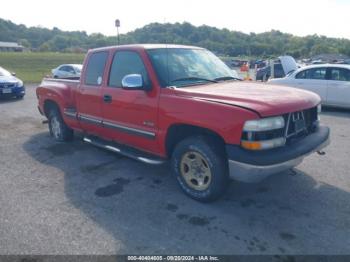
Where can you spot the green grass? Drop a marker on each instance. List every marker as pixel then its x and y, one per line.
pixel 32 67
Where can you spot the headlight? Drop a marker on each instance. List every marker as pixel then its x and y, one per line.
pixel 264 124
pixel 19 83
pixel 265 133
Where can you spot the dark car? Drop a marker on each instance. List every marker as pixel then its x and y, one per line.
pixel 258 63
pixel 265 72
pixel 237 63
pixel 10 86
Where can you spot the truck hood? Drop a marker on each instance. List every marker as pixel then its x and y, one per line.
pixel 264 99
pixel 288 63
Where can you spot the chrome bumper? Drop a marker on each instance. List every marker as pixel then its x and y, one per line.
pixel 253 173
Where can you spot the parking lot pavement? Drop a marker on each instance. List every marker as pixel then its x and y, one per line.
pixel 72 198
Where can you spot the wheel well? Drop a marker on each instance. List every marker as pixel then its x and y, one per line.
pixel 179 132
pixel 48 105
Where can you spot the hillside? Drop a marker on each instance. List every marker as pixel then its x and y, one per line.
pixel 221 41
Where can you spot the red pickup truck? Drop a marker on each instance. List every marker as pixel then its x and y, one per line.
pixel 156 103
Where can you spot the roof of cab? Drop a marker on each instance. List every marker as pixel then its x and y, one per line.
pixel 144 46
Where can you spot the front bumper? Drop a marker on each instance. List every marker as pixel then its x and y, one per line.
pixel 15 91
pixel 254 166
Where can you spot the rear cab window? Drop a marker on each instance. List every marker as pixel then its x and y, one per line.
pixel 95 68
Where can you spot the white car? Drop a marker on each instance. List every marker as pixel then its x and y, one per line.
pixel 67 71
pixel 330 81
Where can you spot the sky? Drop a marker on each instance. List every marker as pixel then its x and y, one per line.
pixel 298 17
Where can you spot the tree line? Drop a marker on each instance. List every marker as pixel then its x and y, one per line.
pixel 222 41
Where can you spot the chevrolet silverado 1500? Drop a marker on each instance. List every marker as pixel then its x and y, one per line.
pixel 156 103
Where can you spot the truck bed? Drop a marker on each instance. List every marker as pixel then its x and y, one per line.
pixel 68 81
pixel 67 87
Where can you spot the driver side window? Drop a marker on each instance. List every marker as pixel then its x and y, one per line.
pixel 314 73
pixel 64 69
pixel 126 63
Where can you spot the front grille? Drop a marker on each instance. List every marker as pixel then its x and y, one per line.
pixel 7 85
pixel 300 123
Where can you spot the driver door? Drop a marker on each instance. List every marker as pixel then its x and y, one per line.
pixel 130 116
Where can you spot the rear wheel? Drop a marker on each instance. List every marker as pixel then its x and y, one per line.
pixel 200 167
pixel 58 128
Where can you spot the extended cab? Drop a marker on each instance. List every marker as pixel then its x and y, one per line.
pixel 167 102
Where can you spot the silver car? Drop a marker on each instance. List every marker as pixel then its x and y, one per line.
pixel 330 81
pixel 67 71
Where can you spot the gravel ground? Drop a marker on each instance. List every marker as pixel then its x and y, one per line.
pixel 72 198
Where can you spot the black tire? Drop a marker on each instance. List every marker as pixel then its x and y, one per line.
pixel 58 128
pixel 214 158
pixel 20 97
pixel 55 76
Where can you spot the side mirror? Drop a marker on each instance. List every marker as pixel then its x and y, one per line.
pixel 135 82
pixel 13 74
pixel 132 82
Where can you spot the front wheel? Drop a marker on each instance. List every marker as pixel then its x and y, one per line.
pixel 58 128
pixel 200 167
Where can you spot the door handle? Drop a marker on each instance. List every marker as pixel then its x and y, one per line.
pixel 107 98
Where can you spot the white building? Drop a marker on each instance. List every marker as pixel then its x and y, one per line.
pixel 10 47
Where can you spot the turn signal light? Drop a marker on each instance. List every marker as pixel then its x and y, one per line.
pixel 251 145
pixel 264 144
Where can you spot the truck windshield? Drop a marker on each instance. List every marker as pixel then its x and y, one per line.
pixel 182 67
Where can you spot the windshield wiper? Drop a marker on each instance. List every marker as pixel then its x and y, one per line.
pixel 195 79
pixel 225 78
